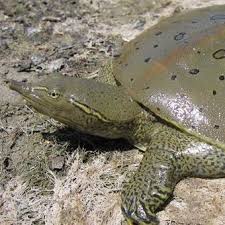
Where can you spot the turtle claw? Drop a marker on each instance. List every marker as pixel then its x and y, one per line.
pixel 133 222
pixel 140 216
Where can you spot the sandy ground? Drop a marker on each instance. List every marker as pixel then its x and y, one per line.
pixel 50 174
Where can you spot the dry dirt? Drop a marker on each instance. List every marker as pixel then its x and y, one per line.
pixel 50 174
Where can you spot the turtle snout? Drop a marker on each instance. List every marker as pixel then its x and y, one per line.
pixel 19 86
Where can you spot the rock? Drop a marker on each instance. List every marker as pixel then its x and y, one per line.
pixel 55 65
pixel 37 59
pixel 57 162
pixel 23 66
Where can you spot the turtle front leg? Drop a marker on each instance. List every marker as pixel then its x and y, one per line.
pixel 150 187
pixel 171 157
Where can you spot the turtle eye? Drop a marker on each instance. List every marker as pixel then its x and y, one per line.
pixel 54 94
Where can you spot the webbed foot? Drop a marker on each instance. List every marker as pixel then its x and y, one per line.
pixel 150 187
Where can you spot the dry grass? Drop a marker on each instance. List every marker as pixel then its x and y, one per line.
pixel 87 195
pixel 20 206
pixel 85 191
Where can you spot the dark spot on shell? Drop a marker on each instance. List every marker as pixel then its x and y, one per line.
pixel 131 79
pixel 147 59
pixel 158 33
pixel 194 71
pixel 216 126
pixel 194 21
pixel 173 77
pixel 218 17
pixel 155 46
pixel 219 54
pixel 137 48
pixel 221 77
pixel 146 88
pixel 126 64
pixel 118 83
pixel 193 127
pixel 179 36
pixel 199 52
pixel 214 92
pixel 158 109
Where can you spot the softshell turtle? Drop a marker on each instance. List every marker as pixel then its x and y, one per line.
pixel 169 98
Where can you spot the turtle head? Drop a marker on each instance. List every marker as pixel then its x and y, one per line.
pixel 87 105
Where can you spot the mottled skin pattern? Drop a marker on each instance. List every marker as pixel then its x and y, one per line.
pixel 172 153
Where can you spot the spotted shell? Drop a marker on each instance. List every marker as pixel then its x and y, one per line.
pixel 176 69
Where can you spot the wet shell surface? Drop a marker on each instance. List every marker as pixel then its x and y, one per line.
pixel 176 69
